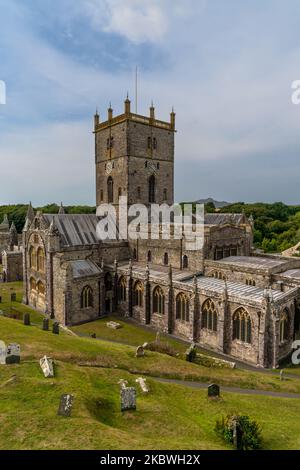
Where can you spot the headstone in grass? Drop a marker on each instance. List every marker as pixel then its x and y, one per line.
pixel 142 383
pixel 0 299
pixel 140 352
pixel 128 399
pixel 2 352
pixel 65 405
pixel 213 391
pixel 13 354
pixel 191 353
pixel 47 366
pixel 46 324
pixel 13 297
pixel 26 319
pixel 93 335
pixel 113 325
pixel 55 328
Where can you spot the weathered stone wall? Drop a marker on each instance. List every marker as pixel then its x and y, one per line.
pixel 12 266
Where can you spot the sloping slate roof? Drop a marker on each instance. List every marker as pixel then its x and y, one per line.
pixel 253 261
pixel 219 219
pixel 291 273
pixel 83 267
pixel 235 288
pixel 75 229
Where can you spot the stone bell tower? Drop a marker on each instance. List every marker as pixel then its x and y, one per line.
pixel 134 157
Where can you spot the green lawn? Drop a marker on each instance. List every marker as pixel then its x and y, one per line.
pixel 130 333
pixel 170 416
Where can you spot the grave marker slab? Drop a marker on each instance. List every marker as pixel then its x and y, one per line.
pixel 55 328
pixel 142 383
pixel 26 319
pixel 13 297
pixel 128 399
pixel 46 324
pixel 13 354
pixel 213 390
pixel 2 352
pixel 140 352
pixel 113 325
pixel 65 405
pixel 47 366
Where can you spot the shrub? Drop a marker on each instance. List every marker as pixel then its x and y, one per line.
pixel 250 431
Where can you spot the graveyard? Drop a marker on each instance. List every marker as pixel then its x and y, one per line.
pixel 93 372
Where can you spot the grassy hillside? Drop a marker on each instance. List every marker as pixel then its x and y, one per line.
pixel 170 416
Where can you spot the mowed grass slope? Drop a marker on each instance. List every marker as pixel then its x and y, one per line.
pixel 170 416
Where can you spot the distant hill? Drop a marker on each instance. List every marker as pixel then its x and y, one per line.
pixel 217 204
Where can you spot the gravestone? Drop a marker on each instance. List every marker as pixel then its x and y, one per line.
pixel 140 352
pixel 55 328
pixel 142 383
pixel 93 335
pixel 237 436
pixel 128 399
pixel 13 297
pixel 0 299
pixel 113 325
pixel 26 319
pixel 46 324
pixel 281 374
pixel 191 353
pixel 123 383
pixel 47 366
pixel 13 354
pixel 213 390
pixel 2 352
pixel 65 405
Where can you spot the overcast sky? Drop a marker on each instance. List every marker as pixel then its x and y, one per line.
pixel 225 65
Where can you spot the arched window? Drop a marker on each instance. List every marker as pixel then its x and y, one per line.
pixel 32 284
pixel 119 192
pixel 101 194
pixel 209 315
pixel 41 288
pixel 32 257
pixel 138 292
pixel 154 143
pixel 242 326
pixel 108 282
pixel 122 289
pixel 166 259
pixel 134 254
pixel 86 297
pixel 110 190
pixel 149 256
pixel 182 307
pixel 165 194
pixel 149 142
pixel 146 164
pixel 185 262
pixel 284 326
pixel 152 189
pixel 41 260
pixel 158 301
pixel 139 192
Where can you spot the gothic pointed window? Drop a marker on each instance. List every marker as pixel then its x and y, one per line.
pixel 182 307
pixel 283 326
pixel 242 326
pixel 86 297
pixel 32 257
pixel 122 289
pixel 108 282
pixel 152 189
pixel 166 259
pixel 209 315
pixel 158 301
pixel 149 256
pixel 185 262
pixel 110 190
pixel 138 292
pixel 41 260
pixel 149 142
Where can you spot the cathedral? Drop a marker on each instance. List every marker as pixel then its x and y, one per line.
pixel 224 296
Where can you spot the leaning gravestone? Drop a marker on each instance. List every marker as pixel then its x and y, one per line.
pixel 140 352
pixel 55 328
pixel 128 399
pixel 26 319
pixel 13 297
pixel 2 352
pixel 46 324
pixel 142 383
pixel 13 354
pixel 65 405
pixel 47 366
pixel 213 390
